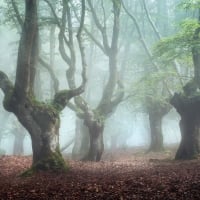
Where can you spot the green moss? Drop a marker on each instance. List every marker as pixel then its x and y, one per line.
pixel 61 99
pixel 54 163
pixel 44 113
pixel 99 117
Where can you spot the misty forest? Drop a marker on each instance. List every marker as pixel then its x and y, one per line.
pixel 99 99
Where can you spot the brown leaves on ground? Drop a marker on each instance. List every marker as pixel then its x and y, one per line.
pixel 125 175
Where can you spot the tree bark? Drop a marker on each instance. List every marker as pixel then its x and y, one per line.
pixel 156 133
pixel 81 145
pixel 188 108
pixel 96 147
pixel 42 123
pixel 157 110
pixel 189 146
pixel 41 120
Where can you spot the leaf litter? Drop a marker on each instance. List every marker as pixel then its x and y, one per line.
pixel 120 175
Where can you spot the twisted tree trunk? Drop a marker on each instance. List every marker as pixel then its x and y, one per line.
pixel 41 120
pixel 188 108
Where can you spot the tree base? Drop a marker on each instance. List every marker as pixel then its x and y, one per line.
pixel 156 150
pixel 54 163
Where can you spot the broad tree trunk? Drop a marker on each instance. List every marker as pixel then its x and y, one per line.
pixel 189 146
pixel 42 122
pixel 188 108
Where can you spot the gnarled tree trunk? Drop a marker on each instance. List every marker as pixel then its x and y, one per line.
pixel 41 120
pixel 187 105
pixel 42 123
pixel 188 108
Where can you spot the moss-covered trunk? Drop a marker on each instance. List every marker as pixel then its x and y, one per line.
pixel 42 122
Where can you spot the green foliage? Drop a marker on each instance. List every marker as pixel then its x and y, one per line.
pixel 179 45
pixel 190 4
pixel 151 88
pixel 54 163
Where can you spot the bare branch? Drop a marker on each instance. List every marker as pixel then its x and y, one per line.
pixel 101 28
pixel 17 13
pixel 148 52
pixel 51 72
pixel 84 65
pixel 151 21
pixel 175 63
pixel 91 36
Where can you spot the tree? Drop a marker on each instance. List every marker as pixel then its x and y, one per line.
pixel 94 119
pixel 152 89
pixel 40 119
pixel 187 102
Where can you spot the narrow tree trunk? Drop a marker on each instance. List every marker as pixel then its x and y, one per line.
pixel 156 133
pixel 157 110
pixel 96 141
pixel 81 145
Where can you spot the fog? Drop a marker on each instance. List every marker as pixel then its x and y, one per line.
pixel 130 128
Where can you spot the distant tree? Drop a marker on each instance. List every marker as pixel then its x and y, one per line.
pixel 40 119
pixel 152 90
pixel 94 119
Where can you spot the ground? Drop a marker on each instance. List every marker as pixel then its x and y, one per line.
pixel 125 174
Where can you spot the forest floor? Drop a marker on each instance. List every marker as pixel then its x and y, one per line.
pixel 124 174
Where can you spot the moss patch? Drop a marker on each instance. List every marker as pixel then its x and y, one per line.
pixel 54 163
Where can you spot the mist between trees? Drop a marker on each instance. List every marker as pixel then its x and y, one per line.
pixel 92 76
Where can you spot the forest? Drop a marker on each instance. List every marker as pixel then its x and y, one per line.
pixel 99 99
